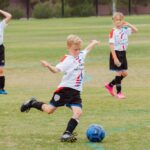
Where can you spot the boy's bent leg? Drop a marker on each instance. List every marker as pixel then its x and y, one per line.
pixel 77 112
pixel 68 135
pixel 73 122
pixel 31 103
pixel 48 108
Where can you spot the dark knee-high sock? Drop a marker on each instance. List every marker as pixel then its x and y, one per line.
pixel 2 82
pixel 37 105
pixel 118 84
pixel 71 125
pixel 121 77
pixel 112 83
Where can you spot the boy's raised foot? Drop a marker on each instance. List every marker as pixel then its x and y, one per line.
pixel 27 105
pixel 110 89
pixel 68 137
pixel 120 95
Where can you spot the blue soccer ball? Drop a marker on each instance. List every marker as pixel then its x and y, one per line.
pixel 95 133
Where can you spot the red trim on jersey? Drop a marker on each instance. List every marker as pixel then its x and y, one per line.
pixel 78 59
pixel 123 47
pixel 79 79
pixel 59 89
pixel 121 35
pixel 111 33
pixel 62 59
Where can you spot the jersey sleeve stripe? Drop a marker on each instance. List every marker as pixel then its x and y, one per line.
pixel 111 33
pixel 62 59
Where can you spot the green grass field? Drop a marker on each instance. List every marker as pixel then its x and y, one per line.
pixel 126 122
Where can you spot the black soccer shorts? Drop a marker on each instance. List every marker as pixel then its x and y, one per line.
pixel 121 55
pixel 2 55
pixel 66 96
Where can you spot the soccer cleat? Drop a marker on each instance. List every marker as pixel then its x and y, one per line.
pixel 120 96
pixel 68 137
pixel 27 105
pixel 3 92
pixel 110 89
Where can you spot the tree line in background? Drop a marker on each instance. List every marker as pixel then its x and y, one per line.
pixel 72 8
pixel 53 8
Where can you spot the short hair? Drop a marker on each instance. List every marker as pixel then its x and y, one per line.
pixel 73 39
pixel 118 14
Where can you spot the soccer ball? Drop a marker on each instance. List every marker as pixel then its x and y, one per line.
pixel 95 133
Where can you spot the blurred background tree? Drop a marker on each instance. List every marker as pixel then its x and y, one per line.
pixel 4 4
pixel 80 7
pixel 72 8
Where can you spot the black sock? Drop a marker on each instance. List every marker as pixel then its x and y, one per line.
pixel 71 125
pixel 2 82
pixel 37 105
pixel 112 83
pixel 118 84
pixel 121 77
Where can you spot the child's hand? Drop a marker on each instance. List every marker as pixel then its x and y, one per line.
pixel 117 62
pixel 92 45
pixel 96 42
pixel 134 29
pixel 45 63
pixel 125 23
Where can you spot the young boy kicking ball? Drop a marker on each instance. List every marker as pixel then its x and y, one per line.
pixel 68 91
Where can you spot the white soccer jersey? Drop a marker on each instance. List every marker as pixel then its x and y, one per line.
pixel 2 26
pixel 73 69
pixel 119 37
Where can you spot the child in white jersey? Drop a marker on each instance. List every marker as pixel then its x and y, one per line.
pixel 3 24
pixel 68 91
pixel 118 41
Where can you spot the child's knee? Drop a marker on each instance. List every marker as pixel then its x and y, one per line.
pixel 78 114
pixel 125 74
pixel 1 71
pixel 49 111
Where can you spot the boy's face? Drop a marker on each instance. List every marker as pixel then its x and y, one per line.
pixel 74 49
pixel 118 21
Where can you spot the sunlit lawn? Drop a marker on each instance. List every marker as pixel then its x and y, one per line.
pixel 126 122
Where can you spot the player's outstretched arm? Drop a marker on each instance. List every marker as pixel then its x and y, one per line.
pixel 53 69
pixel 92 44
pixel 7 15
pixel 134 29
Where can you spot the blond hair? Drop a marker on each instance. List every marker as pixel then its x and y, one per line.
pixel 73 39
pixel 118 14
